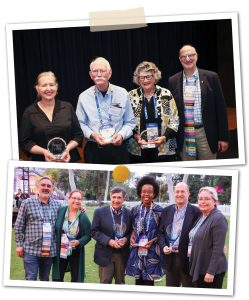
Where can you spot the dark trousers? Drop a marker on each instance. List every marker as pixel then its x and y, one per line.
pixel 73 262
pixel 144 282
pixel 95 154
pixel 34 265
pixel 176 277
pixel 216 284
pixel 150 156
pixel 115 269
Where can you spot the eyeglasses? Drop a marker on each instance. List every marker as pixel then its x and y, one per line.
pixel 76 198
pixel 96 71
pixel 192 55
pixel 205 199
pixel 148 77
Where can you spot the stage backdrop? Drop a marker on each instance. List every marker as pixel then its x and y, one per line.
pixel 68 52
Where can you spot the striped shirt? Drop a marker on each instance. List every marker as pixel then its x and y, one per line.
pixel 29 225
pixel 197 95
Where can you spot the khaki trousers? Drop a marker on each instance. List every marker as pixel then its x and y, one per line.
pixel 202 148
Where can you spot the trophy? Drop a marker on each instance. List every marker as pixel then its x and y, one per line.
pixel 148 135
pixel 107 131
pixel 56 146
pixel 119 230
pixel 172 237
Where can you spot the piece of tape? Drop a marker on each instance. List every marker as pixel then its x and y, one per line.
pixel 117 19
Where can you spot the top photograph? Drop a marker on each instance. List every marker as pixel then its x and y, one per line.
pixel 168 92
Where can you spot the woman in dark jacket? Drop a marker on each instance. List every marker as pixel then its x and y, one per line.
pixel 72 234
pixel 208 263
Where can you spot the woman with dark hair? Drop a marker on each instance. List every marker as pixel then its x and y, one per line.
pixel 208 263
pixel 72 234
pixel 144 263
pixel 50 130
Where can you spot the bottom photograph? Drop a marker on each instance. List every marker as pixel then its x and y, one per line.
pixel 122 228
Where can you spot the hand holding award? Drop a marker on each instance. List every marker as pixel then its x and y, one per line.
pixel 57 146
pixel 147 138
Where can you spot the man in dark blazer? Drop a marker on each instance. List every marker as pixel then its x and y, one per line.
pixel 177 219
pixel 111 228
pixel 209 115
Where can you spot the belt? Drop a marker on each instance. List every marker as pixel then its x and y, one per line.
pixel 198 126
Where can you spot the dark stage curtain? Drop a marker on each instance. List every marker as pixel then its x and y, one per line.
pixel 68 52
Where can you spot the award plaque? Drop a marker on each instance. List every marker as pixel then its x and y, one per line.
pixel 107 131
pixel 148 135
pixel 57 146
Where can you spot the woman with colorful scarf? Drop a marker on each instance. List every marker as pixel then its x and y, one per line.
pixel 72 234
pixel 156 117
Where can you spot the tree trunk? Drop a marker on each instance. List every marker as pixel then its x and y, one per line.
pixel 72 180
pixel 107 186
pixel 170 188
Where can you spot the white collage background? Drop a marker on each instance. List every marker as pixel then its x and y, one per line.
pixel 19 11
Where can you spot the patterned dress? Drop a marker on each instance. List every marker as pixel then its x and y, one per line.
pixel 145 223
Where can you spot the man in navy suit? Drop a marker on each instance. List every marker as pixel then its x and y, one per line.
pixel 203 128
pixel 176 221
pixel 111 228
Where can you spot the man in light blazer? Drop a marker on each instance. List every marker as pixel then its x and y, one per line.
pixel 203 128
pixel 111 228
pixel 176 222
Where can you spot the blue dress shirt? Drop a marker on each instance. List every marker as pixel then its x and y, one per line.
pixel 120 111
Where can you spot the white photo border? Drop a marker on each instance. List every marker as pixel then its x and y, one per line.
pixel 112 287
pixel 150 19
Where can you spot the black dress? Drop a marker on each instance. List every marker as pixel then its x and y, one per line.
pixel 37 129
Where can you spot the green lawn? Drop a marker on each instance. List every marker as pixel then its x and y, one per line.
pixel 91 269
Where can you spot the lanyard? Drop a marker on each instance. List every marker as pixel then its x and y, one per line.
pixel 113 219
pixel 41 212
pixel 145 108
pixel 99 109
pixel 142 219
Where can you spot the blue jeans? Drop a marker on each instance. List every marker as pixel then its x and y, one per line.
pixel 34 264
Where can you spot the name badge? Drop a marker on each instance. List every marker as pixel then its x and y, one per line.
pixel 46 227
pixel 142 250
pixel 64 246
pixel 46 242
pixel 190 90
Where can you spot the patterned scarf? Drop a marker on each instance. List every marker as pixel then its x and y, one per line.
pixel 189 129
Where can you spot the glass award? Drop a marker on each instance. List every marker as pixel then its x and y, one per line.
pixel 57 146
pixel 119 230
pixel 107 131
pixel 172 237
pixel 148 135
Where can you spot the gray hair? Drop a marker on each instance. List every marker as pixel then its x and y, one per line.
pixel 118 189
pixel 102 60
pixel 146 66
pixel 46 178
pixel 210 190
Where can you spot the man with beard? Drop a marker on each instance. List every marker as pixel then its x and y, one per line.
pixel 34 231
pixel 106 118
